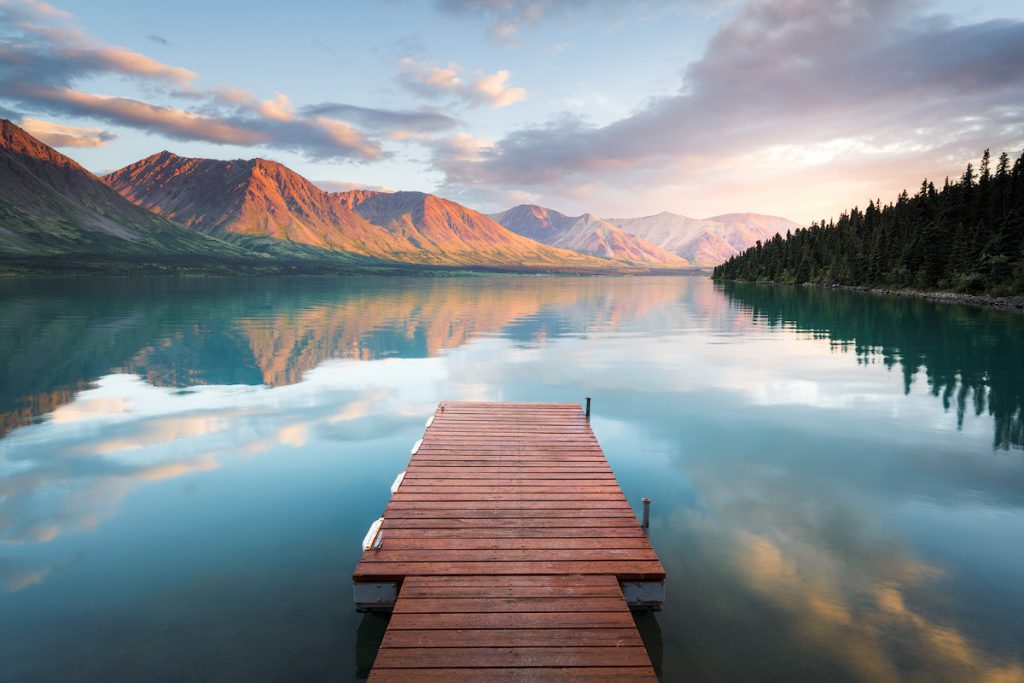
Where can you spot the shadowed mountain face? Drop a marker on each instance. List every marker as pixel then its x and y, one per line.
pixel 240 199
pixel 50 204
pixel 587 234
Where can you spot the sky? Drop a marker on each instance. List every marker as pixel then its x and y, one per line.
pixel 797 108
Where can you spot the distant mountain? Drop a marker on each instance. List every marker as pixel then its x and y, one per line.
pixel 51 205
pixel 705 241
pixel 240 200
pixel 665 239
pixel 586 234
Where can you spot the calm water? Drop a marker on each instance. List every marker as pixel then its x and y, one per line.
pixel 187 469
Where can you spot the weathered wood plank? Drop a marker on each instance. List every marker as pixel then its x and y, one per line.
pixel 529 590
pixel 564 543
pixel 492 605
pixel 525 657
pixel 520 514
pixel 514 532
pixel 515 637
pixel 596 505
pixel 538 523
pixel 535 555
pixel 625 570
pixel 512 580
pixel 461 620
pixel 507 675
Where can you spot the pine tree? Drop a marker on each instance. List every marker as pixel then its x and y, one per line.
pixel 1003 169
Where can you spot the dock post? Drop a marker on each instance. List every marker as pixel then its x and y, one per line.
pixel 588 409
pixel 647 514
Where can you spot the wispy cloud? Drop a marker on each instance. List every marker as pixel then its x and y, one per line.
pixel 346 186
pixel 506 17
pixel 57 135
pixel 419 120
pixel 434 81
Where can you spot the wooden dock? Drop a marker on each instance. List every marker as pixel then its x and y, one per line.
pixel 508 552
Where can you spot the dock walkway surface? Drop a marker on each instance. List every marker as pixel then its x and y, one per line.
pixel 509 552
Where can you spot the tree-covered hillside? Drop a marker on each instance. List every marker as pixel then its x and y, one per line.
pixel 966 237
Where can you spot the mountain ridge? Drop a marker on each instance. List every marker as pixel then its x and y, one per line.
pixel 701 242
pixel 706 241
pixel 587 233
pixel 258 198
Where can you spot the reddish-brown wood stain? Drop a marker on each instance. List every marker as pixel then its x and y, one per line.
pixel 509 536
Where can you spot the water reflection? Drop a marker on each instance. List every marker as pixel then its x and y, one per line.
pixel 368 640
pixel 973 358
pixel 185 333
pixel 188 467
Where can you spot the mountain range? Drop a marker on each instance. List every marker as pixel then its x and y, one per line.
pixel 236 200
pixel 586 234
pixel 260 212
pixel 654 239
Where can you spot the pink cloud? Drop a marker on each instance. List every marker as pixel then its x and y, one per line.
pixel 168 120
pixel 431 80
pixel 58 135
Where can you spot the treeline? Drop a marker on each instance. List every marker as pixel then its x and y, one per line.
pixel 966 237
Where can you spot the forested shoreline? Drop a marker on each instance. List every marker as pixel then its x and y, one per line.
pixel 965 237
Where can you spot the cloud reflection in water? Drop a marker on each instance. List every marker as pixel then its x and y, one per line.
pixel 800 491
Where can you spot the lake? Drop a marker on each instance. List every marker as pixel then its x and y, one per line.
pixel 187 467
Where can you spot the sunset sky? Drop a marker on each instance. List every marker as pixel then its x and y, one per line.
pixel 799 108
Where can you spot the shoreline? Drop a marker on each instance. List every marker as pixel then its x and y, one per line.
pixel 1005 303
pixel 91 265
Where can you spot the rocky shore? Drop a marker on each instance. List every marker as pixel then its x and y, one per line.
pixel 1005 302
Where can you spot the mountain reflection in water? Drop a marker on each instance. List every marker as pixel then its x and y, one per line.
pixel 187 466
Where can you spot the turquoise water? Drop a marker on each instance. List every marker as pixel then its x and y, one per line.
pixel 187 467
